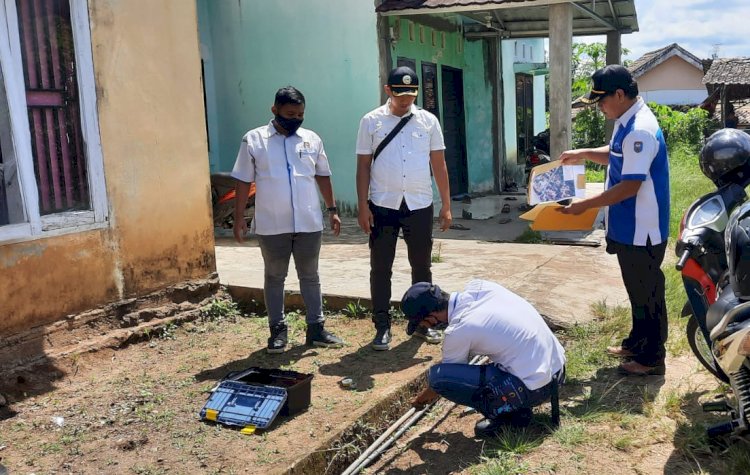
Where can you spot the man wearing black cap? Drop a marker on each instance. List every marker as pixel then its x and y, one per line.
pixel 637 220
pixel 487 319
pixel 397 146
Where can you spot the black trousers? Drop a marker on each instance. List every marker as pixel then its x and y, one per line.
pixel 644 281
pixel 417 227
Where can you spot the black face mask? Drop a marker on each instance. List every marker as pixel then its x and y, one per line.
pixel 290 125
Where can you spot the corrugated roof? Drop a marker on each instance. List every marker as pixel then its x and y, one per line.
pixel 730 71
pixel 656 57
pixel 394 5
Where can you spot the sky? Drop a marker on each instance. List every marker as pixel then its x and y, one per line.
pixel 699 26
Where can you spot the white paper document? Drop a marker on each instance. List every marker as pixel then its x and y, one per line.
pixel 554 182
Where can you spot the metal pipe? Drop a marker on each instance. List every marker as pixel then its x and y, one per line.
pixel 378 447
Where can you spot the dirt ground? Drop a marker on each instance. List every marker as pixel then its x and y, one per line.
pixel 596 436
pixel 134 410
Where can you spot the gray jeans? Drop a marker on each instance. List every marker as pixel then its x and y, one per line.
pixel 276 250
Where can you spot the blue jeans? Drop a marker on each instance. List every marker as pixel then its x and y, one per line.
pixel 276 250
pixel 486 388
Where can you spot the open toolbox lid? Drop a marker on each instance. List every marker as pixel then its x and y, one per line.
pixel 238 404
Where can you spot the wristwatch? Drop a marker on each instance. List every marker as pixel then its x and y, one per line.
pixel 333 209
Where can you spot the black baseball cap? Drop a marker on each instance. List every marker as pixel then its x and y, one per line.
pixel 403 81
pixel 608 80
pixel 421 299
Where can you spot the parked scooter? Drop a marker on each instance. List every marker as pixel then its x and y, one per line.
pixel 223 198
pixel 729 323
pixel 725 159
pixel 538 153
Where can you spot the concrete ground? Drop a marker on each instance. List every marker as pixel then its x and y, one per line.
pixel 561 281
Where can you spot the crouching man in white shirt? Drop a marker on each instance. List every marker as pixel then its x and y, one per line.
pixel 526 359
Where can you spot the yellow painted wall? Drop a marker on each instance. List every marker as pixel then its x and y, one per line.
pixel 151 117
pixel 673 74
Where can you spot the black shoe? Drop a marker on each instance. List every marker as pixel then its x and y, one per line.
pixel 490 427
pixel 278 340
pixel 427 334
pixel 319 336
pixel 382 339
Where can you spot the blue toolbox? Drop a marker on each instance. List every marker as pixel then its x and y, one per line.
pixel 252 398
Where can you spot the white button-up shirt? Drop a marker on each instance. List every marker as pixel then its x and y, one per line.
pixel 402 170
pixel 283 169
pixel 488 319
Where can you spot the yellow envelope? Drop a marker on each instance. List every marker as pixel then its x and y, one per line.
pixel 548 217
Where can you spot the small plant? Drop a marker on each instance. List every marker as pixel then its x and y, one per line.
pixel 220 309
pixel 168 332
pixel 437 255
pixel 355 310
pixel 530 237
pixel 397 313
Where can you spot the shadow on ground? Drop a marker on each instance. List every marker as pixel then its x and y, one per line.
pixel 366 362
pixel 694 452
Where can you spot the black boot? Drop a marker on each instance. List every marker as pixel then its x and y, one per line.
pixel 319 336
pixel 278 340
pixel 382 339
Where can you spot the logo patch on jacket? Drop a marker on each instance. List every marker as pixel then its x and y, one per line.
pixel 638 147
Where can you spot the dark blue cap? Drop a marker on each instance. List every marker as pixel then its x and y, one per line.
pixel 421 299
pixel 609 79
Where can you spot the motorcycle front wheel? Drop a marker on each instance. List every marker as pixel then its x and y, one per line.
pixel 701 350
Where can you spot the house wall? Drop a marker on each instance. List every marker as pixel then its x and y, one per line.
pixel 151 119
pixel 675 81
pixel 472 58
pixel 512 57
pixel 251 48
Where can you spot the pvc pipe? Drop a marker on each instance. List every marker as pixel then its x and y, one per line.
pixel 375 449
pixel 378 441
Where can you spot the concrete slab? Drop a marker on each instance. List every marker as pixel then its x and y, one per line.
pixel 561 281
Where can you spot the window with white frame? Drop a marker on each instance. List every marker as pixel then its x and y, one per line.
pixel 51 173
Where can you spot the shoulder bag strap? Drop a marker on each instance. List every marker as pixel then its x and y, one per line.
pixel 391 135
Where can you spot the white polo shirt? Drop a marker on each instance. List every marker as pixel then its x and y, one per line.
pixel 488 319
pixel 283 169
pixel 402 170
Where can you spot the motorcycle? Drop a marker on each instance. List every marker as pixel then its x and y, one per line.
pixel 725 160
pixel 728 321
pixel 223 195
pixel 703 265
pixel 538 153
pixel 718 328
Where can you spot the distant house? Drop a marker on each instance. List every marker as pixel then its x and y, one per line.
pixel 728 82
pixel 670 76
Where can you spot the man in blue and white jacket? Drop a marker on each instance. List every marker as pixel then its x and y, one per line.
pixel 637 220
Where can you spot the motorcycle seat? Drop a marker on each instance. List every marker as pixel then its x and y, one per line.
pixel 726 310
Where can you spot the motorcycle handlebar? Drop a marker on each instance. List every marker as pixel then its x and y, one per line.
pixel 683 259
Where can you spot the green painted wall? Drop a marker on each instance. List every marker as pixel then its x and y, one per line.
pixel 471 57
pixel 513 56
pixel 326 48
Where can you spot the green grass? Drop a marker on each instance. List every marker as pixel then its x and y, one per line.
pixel 529 237
pixel 595 175
pixel 633 416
